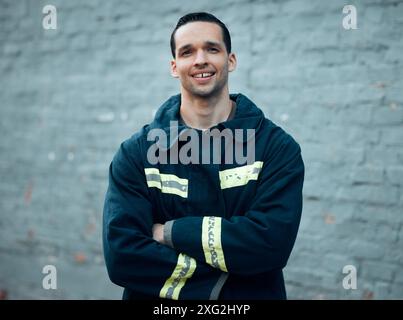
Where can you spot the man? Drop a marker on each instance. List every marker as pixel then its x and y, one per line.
pixel 203 229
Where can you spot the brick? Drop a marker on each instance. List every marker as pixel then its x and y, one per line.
pixel 332 154
pixel 335 263
pixel 12 49
pixel 263 10
pixel 399 278
pixel 326 112
pixel 296 276
pixel 316 185
pixel 367 174
pixel 372 14
pixel 294 6
pixel 396 291
pixel 382 289
pixel 383 156
pixel 395 175
pixel 392 136
pixel 378 213
pixel 348 136
pixel 384 233
pixel 370 194
pixel 393 92
pixel 378 271
pixel 388 115
pixel 361 249
pixel 394 254
pixel 79 42
pixel 9 9
pixel 347 228
pixel 392 54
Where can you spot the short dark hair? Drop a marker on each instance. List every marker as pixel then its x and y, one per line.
pixel 204 17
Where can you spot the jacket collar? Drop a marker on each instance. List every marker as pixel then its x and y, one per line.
pixel 247 116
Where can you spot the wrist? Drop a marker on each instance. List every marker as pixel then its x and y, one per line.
pixel 167 233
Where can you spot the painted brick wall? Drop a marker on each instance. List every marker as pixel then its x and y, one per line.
pixel 69 97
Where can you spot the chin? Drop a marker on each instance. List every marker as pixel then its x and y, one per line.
pixel 205 93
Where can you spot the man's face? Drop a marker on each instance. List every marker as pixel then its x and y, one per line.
pixel 202 62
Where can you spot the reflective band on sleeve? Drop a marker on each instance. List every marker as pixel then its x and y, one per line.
pixel 240 176
pixel 167 183
pixel 184 270
pixel 211 242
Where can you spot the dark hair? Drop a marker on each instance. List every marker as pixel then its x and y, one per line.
pixel 204 17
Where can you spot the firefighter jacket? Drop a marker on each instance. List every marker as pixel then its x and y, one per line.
pixel 229 226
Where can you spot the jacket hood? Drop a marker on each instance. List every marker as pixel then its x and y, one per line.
pixel 247 116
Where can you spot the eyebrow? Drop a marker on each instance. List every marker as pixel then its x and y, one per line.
pixel 186 46
pixel 213 44
pixel 207 44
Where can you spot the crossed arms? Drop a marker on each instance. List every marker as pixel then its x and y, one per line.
pixel 191 265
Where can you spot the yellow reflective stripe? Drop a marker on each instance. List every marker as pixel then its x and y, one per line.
pixel 171 177
pixel 181 189
pixel 240 176
pixel 164 189
pixel 183 194
pixel 184 270
pixel 151 171
pixel 211 242
pixel 154 184
pixel 165 176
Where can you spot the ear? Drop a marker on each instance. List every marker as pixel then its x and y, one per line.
pixel 231 62
pixel 174 72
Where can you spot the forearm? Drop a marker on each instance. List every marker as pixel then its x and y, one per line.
pixel 258 241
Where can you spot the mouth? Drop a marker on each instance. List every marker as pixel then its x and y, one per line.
pixel 203 77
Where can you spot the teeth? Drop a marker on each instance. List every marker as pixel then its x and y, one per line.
pixel 203 75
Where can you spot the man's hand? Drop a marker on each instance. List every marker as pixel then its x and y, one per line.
pixel 158 233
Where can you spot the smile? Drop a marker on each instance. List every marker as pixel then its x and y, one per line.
pixel 202 78
pixel 204 75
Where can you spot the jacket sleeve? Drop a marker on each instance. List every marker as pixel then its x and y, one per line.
pixel 262 238
pixel 133 259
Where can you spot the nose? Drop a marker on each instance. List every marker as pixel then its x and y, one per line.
pixel 200 59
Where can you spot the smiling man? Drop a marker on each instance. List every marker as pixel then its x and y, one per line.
pixel 202 60
pixel 203 230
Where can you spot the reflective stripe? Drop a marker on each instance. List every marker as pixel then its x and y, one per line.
pixel 184 270
pixel 215 293
pixel 211 242
pixel 240 176
pixel 167 183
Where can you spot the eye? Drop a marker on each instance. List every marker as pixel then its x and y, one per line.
pixel 186 53
pixel 213 50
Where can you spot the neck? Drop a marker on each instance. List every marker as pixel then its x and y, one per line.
pixel 203 113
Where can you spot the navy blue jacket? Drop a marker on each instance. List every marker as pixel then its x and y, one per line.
pixel 229 227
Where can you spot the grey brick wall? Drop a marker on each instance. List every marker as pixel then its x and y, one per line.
pixel 68 97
